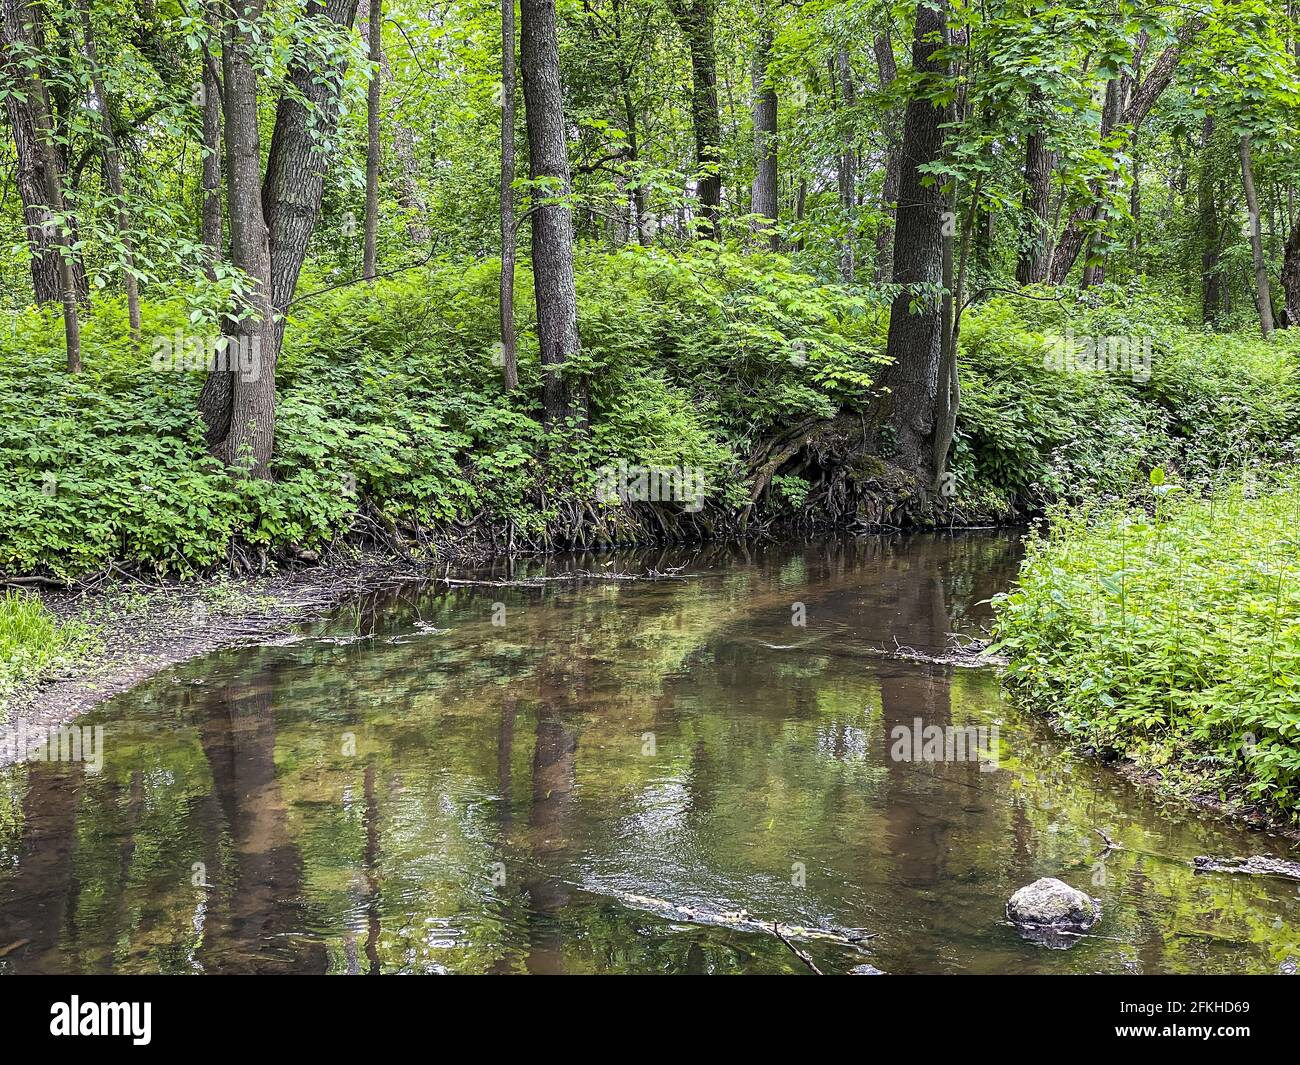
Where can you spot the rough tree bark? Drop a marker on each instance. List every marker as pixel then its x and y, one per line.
pixel 1033 260
pixel 112 170
pixel 1263 295
pixel 763 199
pixel 696 21
pixel 910 406
pixel 271 221
pixel 40 176
pixel 21 37
pixel 509 356
pixel 552 220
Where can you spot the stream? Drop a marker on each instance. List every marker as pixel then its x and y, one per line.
pixel 628 776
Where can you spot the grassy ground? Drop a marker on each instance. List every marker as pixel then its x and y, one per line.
pixel 34 645
pixel 1168 631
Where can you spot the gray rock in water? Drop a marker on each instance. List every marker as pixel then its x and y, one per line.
pixel 1052 913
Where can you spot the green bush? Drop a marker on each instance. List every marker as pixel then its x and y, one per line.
pixel 1170 632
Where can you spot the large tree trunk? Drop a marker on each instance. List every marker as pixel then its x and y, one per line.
pixel 914 347
pixel 1263 295
pixel 270 222
pixel 552 222
pixel 112 171
pixel 1033 260
pixel 887 69
pixel 509 357
pixel 696 20
pixel 370 243
pixel 763 201
pixel 40 173
pixel 21 35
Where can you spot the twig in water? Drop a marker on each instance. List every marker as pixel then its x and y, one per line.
pixel 801 955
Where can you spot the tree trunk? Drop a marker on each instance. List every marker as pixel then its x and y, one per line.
pixel 696 21
pixel 1144 98
pixel 914 348
pixel 21 36
pixel 509 356
pixel 763 201
pixel 1032 263
pixel 211 181
pixel 1291 277
pixel 887 70
pixel 552 221
pixel 375 21
pixel 113 171
pixel 847 174
pixel 1263 297
pixel 40 176
pixel 271 222
pixel 1210 235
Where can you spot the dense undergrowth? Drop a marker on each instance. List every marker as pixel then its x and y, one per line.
pixel 391 412
pixel 1169 632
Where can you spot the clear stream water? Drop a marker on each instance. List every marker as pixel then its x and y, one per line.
pixel 411 787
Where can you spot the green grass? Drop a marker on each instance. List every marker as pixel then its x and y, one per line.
pixel 1170 631
pixel 33 644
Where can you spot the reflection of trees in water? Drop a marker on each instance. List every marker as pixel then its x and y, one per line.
pixel 38 897
pixel 256 918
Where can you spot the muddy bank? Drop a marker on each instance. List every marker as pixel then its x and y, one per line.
pixel 144 627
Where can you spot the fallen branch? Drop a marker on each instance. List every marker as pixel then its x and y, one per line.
pixel 801 955
pixel 1256 865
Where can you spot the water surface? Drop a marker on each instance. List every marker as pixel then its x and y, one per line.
pixel 513 780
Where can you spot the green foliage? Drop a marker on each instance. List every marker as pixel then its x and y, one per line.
pixel 1169 632
pixel 33 645
pixel 389 396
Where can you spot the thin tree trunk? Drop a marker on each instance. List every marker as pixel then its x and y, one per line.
pixel 113 171
pixel 1291 277
pixel 696 21
pixel 1144 97
pixel 211 180
pixel 915 343
pixel 847 166
pixel 763 201
pixel 375 21
pixel 1208 223
pixel 1263 297
pixel 552 222
pixel 887 70
pixel 509 356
